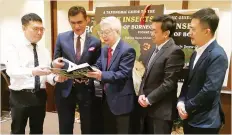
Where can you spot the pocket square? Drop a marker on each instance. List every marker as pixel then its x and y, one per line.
pixel 91 49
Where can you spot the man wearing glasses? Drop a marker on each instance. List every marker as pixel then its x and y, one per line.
pixel 78 47
pixel 114 70
pixel 27 68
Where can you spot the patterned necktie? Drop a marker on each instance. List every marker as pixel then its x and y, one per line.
pixel 109 56
pixel 78 48
pixel 36 63
pixel 152 57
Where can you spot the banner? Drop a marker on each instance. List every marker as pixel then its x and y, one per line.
pixel 181 37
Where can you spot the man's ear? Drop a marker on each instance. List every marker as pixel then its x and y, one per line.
pixel 207 31
pixel 167 33
pixel 23 27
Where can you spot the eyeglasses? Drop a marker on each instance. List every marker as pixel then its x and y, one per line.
pixel 37 29
pixel 105 33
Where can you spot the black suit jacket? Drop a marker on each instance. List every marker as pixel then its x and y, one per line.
pixel 65 48
pixel 159 83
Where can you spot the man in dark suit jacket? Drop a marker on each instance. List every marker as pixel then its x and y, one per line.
pixel 199 102
pixel 158 91
pixel 78 47
pixel 114 70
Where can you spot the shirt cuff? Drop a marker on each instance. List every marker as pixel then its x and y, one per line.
pixel 181 105
pixel 147 101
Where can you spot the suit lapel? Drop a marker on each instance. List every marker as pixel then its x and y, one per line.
pixel 200 60
pixel 161 51
pixel 86 46
pixel 70 46
pixel 116 51
pixel 105 55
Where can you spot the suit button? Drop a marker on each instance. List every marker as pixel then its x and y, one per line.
pixel 188 86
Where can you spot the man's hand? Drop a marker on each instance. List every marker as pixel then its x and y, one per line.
pixel 181 110
pixel 60 78
pixel 40 71
pixel 58 63
pixel 96 74
pixel 142 101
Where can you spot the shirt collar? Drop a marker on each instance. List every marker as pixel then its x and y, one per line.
pixel 82 35
pixel 27 42
pixel 115 44
pixel 160 46
pixel 202 48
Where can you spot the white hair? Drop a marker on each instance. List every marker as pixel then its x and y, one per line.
pixel 112 22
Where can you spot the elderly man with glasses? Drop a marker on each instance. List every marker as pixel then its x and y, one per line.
pixel 114 70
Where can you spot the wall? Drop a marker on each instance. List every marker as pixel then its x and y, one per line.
pixel 62 13
pixel 104 3
pixel 63 7
pixel 10 23
pixel 169 5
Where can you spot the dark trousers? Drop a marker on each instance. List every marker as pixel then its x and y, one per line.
pixel 66 111
pixel 136 114
pixel 155 126
pixel 27 105
pixel 114 124
pixel 194 130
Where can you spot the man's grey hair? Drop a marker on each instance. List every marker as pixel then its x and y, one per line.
pixel 113 22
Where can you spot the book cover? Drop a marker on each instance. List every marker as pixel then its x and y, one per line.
pixel 74 71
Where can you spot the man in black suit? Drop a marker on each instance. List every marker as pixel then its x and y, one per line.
pixel 158 91
pixel 199 102
pixel 78 47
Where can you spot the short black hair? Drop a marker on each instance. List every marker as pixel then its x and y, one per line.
pixel 30 17
pixel 74 10
pixel 168 23
pixel 207 16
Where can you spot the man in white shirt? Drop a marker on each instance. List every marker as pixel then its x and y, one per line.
pixel 27 66
pixel 199 103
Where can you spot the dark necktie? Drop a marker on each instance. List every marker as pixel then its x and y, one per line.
pixel 192 59
pixel 78 48
pixel 36 63
pixel 109 56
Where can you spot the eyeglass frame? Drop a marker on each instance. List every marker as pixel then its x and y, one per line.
pixel 103 33
pixel 37 29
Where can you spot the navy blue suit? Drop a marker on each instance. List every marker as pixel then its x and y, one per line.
pixel 117 79
pixel 67 94
pixel 201 90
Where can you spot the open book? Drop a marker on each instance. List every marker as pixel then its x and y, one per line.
pixel 74 71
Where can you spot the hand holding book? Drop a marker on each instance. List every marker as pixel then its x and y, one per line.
pixel 74 71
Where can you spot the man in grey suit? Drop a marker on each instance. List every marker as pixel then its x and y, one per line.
pixel 158 91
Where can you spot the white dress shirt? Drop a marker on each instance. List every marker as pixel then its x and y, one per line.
pixel 199 51
pixel 20 62
pixel 83 36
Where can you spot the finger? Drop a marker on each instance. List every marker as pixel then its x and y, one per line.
pixel 142 102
